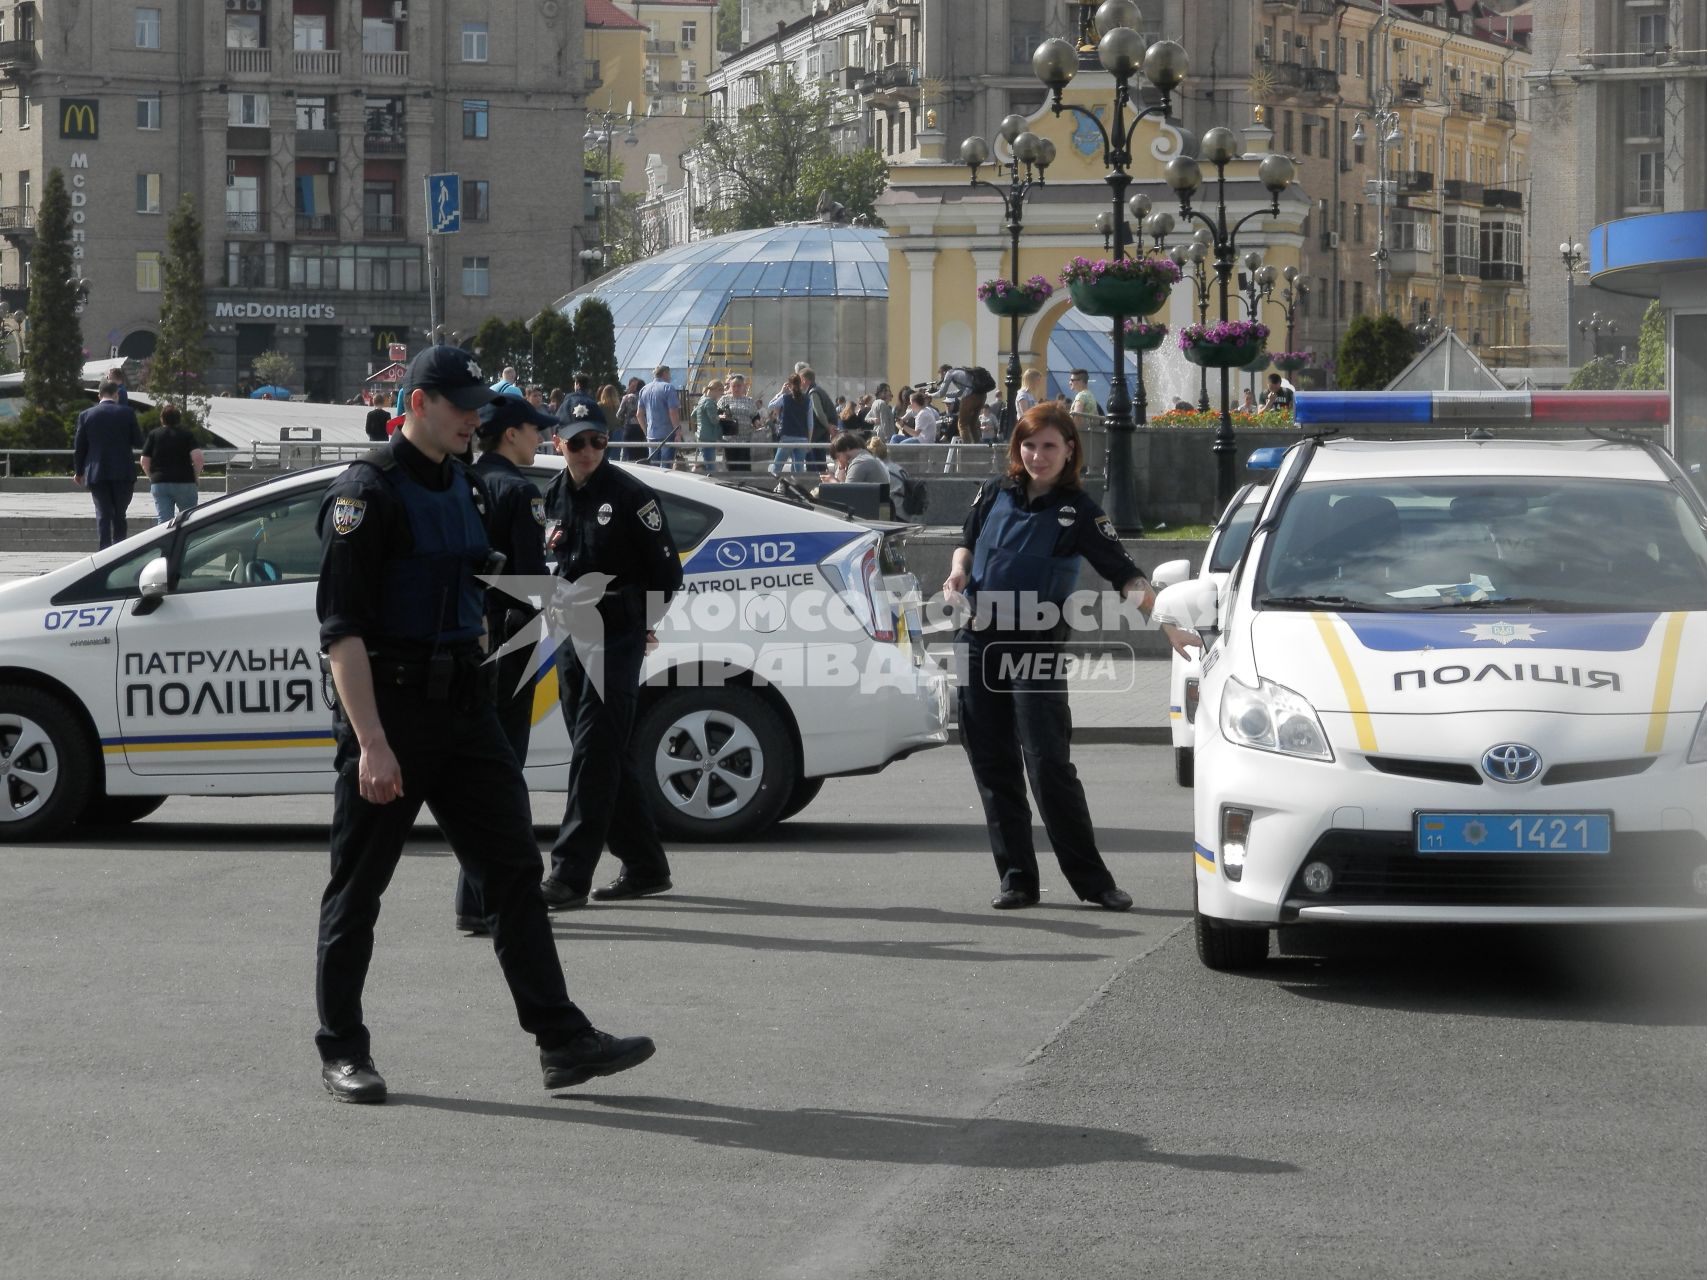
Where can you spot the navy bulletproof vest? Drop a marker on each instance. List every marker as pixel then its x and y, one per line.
pixel 1015 554
pixel 432 593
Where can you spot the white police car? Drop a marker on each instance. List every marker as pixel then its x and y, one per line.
pixel 184 662
pixel 1447 686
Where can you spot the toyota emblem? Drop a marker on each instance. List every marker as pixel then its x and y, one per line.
pixel 1511 762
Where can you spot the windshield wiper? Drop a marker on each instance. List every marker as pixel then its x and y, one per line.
pixel 1340 604
pixel 1528 604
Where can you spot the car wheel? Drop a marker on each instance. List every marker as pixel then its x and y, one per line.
pixel 1228 946
pixel 1185 761
pixel 722 764
pixel 116 811
pixel 46 765
pixel 805 792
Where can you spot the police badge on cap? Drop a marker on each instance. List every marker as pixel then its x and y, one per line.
pixel 452 373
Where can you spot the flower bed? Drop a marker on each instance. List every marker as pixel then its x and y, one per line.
pixel 1140 336
pixel 1120 286
pixel 1232 344
pixel 1195 418
pixel 1006 298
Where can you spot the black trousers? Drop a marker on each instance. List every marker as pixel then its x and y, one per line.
pixel 515 718
pixel 607 791
pixel 112 503
pixel 1016 729
pixel 456 762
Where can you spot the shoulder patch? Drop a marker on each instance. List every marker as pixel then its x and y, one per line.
pixel 1105 526
pixel 347 514
pixel 537 505
pixel 650 516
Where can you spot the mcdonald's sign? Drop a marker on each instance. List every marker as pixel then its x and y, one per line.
pixel 384 340
pixel 80 118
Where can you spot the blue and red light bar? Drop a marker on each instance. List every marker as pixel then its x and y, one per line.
pixel 1479 408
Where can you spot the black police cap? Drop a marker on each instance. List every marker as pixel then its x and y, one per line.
pixel 512 411
pixel 452 373
pixel 580 412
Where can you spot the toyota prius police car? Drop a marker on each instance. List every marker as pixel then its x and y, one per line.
pixel 1447 682
pixel 184 661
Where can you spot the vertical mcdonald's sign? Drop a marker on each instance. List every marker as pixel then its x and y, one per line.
pixel 80 118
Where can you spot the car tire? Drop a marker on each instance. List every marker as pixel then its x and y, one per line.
pixel 1185 766
pixel 752 775
pixel 47 765
pixel 118 811
pixel 1224 946
pixel 805 792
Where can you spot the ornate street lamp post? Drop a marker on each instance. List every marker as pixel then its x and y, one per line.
pixel 1189 259
pixel 1036 154
pixel 601 132
pixel 1596 325
pixel 1164 65
pixel 1291 298
pixel 1386 122
pixel 1221 146
pixel 1573 257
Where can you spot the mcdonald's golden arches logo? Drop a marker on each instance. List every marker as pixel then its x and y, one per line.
pixel 383 339
pixel 80 118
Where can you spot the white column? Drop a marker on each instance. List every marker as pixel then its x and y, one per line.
pixel 987 336
pixel 921 314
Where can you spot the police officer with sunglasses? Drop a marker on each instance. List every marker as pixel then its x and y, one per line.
pixel 614 550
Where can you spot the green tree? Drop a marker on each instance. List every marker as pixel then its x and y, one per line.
pixel 1649 371
pixel 274 369
pixel 1602 374
pixel 728 25
pixel 855 181
pixel 595 341
pixel 501 343
pixel 554 350
pixel 180 361
pixel 53 366
pixel 1374 351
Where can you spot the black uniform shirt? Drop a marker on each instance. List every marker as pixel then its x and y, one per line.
pixel 615 524
pixel 517 517
pixel 1088 533
pixel 361 526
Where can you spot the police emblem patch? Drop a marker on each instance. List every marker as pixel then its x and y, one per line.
pixel 1106 527
pixel 474 370
pixel 347 514
pixel 538 507
pixel 651 517
pixel 604 513
pixel 580 411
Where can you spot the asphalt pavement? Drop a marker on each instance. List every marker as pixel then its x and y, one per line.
pixel 863 1071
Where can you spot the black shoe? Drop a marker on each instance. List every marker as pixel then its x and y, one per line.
pixel 475 925
pixel 1010 899
pixel 353 1080
pixel 593 1053
pixel 1115 900
pixel 626 887
pixel 559 896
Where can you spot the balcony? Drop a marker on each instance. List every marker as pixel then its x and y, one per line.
pixel 1312 12
pixel 1502 273
pixel 18 53
pixel 1321 82
pixel 316 142
pixel 1505 112
pixel 1410 262
pixel 249 137
pixel 1414 182
pixel 248 222
pixel 1458 264
pixel 1411 90
pixel 18 223
pixel 894 83
pixel 1285 78
pixel 890 12
pixel 1457 189
pixel 385 142
pixel 317 62
pixel 1501 198
pixel 249 62
pixel 676 86
pixel 1473 104
pixel 390 64
pixel 316 224
pixel 383 225
pixel 660 46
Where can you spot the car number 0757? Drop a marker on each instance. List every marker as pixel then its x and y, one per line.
pixel 67 619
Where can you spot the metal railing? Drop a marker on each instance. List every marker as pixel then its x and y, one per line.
pixel 245 222
pixel 17 217
pixel 316 224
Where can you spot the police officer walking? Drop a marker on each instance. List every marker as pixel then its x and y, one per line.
pixel 402 539
pixel 610 524
pixel 1020 547
pixel 509 434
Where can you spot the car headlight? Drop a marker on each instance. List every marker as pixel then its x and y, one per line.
pixel 1272 717
pixel 1698 744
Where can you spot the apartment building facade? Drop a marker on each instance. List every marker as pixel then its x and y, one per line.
pixel 305 130
pixel 1620 95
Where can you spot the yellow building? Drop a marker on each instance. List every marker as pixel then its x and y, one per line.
pixel 616 59
pixel 946 237
pixel 680 50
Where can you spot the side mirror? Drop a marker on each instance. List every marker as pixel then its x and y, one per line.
pixel 1190 604
pixel 1170 574
pixel 152 584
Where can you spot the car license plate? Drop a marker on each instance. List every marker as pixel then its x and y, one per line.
pixel 1505 833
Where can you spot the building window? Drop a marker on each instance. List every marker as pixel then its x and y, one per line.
pixel 148 271
pixel 476 121
pixel 474 42
pixel 1339 303
pixel 1647 117
pixel 689 72
pixel 148 193
pixel 476 277
pixel 1308 133
pixel 242 30
pixel 1647 179
pixel 26 190
pixel 1357 223
pixel 308 32
pixel 1286 132
pixel 1358 53
pixel 1321 297
pixel 477 197
pixel 1357 297
pixel 1651 31
pixel 313 115
pixel 251 109
pixel 24 22
pixel 690 32
pixel 147 28
pixel 1339 56
pixel 148 111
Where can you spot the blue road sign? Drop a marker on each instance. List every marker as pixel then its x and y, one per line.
pixel 444 203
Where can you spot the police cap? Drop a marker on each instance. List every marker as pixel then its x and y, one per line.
pixel 512 411
pixel 452 373
pixel 580 412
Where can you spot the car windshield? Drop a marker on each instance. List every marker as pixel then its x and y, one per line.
pixel 1537 544
pixel 1235 537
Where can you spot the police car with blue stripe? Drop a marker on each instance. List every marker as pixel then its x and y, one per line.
pixel 184 662
pixel 1445 682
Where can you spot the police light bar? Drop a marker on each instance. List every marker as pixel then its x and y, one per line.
pixel 1479 408
pixel 1267 459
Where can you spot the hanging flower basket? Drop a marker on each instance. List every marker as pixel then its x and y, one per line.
pixel 1257 365
pixel 1139 336
pixel 1293 361
pixel 1005 298
pixel 1121 286
pixel 1233 345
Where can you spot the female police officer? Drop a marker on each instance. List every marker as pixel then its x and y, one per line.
pixel 1018 560
pixel 612 542
pixel 400 607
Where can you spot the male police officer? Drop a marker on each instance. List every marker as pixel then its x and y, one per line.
pixel 400 609
pixel 509 435
pixel 609 524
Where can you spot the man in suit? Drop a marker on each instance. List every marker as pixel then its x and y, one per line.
pixel 103 460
